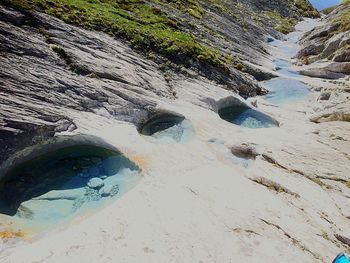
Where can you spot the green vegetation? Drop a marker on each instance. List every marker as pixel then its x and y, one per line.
pixel 325 235
pixel 328 10
pixel 306 8
pixel 145 26
pixel 344 19
pixel 347 184
pixel 61 53
pixel 284 24
pixel 192 7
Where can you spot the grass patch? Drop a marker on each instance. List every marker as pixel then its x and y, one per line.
pixel 325 235
pixel 344 20
pixel 191 7
pixel 284 24
pixel 328 10
pixel 61 53
pixel 145 26
pixel 306 8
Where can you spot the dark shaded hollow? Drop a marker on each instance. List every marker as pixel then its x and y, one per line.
pixel 56 170
pixel 160 122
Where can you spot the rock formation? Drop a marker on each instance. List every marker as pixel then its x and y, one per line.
pixel 74 75
pixel 329 46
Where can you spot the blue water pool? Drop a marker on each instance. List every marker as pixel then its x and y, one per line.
pixel 168 129
pixel 284 90
pixel 65 183
pixel 247 117
pixel 284 68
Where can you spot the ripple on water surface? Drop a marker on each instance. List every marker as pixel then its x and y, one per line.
pixel 59 185
pixel 283 90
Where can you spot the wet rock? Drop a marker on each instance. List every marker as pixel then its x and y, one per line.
pixel 95 183
pixel 270 39
pixel 109 190
pixel 70 194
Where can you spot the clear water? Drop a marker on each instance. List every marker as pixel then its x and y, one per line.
pixel 284 68
pixel 284 90
pixel 169 130
pixel 247 117
pixel 63 184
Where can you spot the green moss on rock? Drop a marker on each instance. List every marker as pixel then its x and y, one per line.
pixel 145 26
pixel 284 24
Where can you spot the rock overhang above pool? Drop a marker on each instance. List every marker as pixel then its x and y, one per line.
pixel 235 111
pixel 247 117
pixel 167 127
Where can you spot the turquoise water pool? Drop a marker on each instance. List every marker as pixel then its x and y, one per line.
pixel 63 184
pixel 168 129
pixel 285 90
pixel 247 117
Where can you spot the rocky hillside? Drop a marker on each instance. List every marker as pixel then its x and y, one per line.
pixel 136 51
pixel 329 45
pixel 151 102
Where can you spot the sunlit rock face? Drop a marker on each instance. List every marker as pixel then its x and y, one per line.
pixel 61 184
pixel 168 128
pixel 247 117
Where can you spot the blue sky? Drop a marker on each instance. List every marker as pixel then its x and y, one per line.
pixel 322 4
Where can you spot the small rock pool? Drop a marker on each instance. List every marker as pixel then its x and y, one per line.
pixel 168 128
pixel 247 117
pixel 59 185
